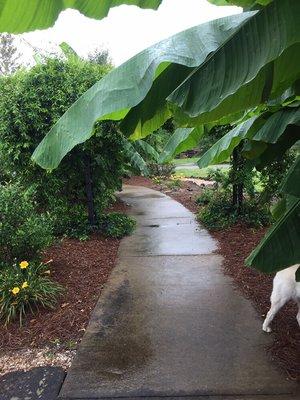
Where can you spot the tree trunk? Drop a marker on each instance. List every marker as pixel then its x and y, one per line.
pixel 89 190
pixel 237 183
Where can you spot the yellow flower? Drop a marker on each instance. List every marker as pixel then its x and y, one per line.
pixel 25 285
pixel 15 290
pixel 24 264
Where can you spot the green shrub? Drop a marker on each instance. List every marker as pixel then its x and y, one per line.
pixel 23 231
pixel 205 197
pixel 218 212
pixel 67 219
pixel 31 101
pixel 116 225
pixel 24 287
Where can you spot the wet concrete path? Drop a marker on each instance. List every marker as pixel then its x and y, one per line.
pixel 169 324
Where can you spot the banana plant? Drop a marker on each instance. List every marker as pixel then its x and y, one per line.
pixel 215 72
pixel 22 16
pixel 138 153
pixel 211 73
pixel 267 136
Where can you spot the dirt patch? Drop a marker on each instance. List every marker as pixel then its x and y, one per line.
pixel 235 244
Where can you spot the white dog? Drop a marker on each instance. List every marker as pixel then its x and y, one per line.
pixel 285 288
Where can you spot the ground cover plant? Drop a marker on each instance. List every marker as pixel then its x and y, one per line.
pixel 24 288
pixel 24 234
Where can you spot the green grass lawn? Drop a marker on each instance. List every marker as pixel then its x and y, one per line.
pixel 197 172
pixel 184 161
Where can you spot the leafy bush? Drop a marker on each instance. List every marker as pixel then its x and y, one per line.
pixel 218 212
pixel 205 197
pixel 116 225
pixel 24 287
pixel 23 231
pixel 163 170
pixel 272 175
pixel 30 103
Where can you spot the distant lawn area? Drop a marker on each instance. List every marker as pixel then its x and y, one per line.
pixel 198 172
pixel 184 161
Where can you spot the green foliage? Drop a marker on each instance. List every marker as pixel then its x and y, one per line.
pixel 206 197
pixel 24 232
pixel 116 225
pixel 183 81
pixel 30 102
pixel 112 99
pixel 25 290
pixel 240 3
pixel 19 17
pixel 272 176
pixel 159 138
pixel 217 211
pixel 182 139
pixel 210 138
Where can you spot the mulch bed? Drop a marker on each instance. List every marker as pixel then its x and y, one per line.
pixel 82 268
pixel 235 244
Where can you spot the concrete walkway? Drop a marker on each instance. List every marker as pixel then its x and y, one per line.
pixel 169 324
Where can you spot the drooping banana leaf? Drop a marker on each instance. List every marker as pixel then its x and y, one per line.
pixel 238 67
pixel 18 16
pixel 274 127
pixel 237 64
pixel 275 151
pixel 271 135
pixel 280 248
pixel 182 139
pixel 223 148
pixel 126 86
pixel 135 159
pixel 147 149
pixel 291 183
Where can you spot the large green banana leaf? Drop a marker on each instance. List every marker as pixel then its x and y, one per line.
pixel 182 139
pixel 270 134
pixel 17 16
pixel 239 63
pixel 274 127
pixel 148 150
pixel 223 148
pixel 291 183
pixel 127 86
pixel 234 54
pixel 134 158
pixel 280 247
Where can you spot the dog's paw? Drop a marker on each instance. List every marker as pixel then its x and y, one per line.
pixel 266 329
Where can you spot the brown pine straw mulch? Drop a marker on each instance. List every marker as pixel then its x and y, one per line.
pixel 235 244
pixel 82 268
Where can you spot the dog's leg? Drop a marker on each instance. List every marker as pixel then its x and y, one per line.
pixel 298 315
pixel 276 304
